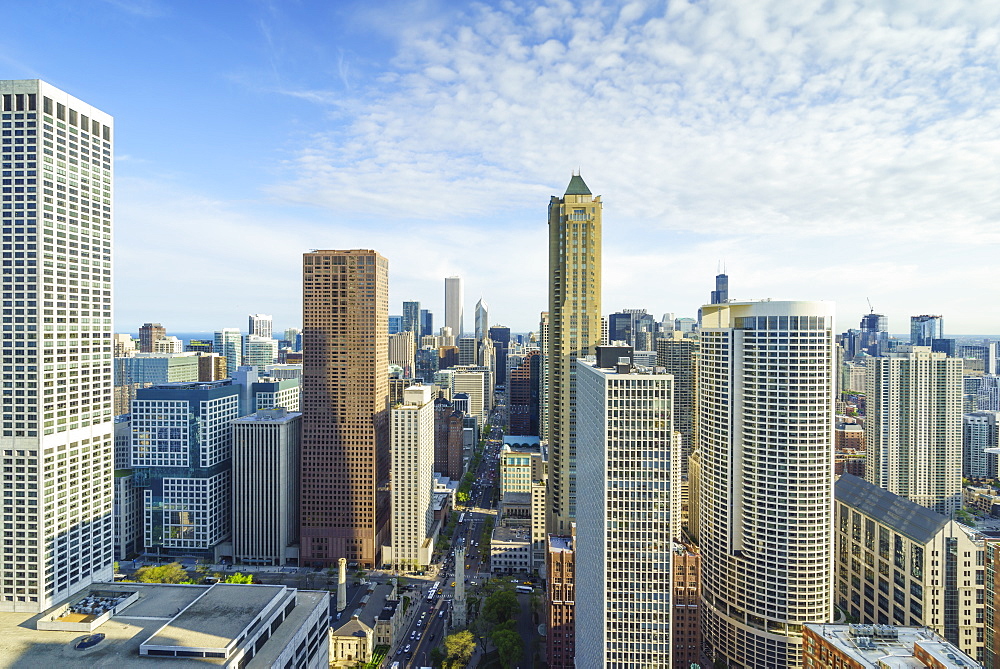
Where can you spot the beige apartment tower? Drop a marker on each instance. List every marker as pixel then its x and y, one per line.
pixel 574 332
pixel 345 406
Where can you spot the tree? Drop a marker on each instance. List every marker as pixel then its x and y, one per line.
pixel 238 578
pixel 459 647
pixel 436 656
pixel 167 573
pixel 501 606
pixel 510 647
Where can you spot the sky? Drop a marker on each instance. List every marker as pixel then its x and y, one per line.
pixel 816 149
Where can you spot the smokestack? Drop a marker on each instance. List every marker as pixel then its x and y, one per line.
pixel 341 584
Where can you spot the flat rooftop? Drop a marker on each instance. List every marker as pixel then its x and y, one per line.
pixel 559 543
pixel 218 617
pixel 879 650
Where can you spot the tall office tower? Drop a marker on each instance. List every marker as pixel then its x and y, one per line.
pixel 291 335
pixel 402 352
pixel 149 334
pixel 874 336
pixel 454 299
pixel 522 393
pixel 412 429
pixel 345 397
pixel 58 429
pixel 626 522
pixel 543 380
pixel 679 356
pixel 925 328
pixel 261 325
pixel 482 319
pixel 466 351
pixel 913 427
pixel 721 293
pixel 980 431
pixel 259 352
pixel 500 336
pixel 620 327
pixel 574 332
pixel 229 344
pixel 426 323
pixel 181 458
pixel 266 448
pixel 765 438
pixel 395 324
pixel 449 429
pixel 477 383
pixel 411 318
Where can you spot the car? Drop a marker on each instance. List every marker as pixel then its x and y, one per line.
pixel 407 649
pixel 441 612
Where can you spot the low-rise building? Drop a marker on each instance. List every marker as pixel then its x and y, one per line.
pixel 879 647
pixel 375 622
pixel 510 550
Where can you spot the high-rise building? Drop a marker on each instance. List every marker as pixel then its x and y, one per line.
pixel 149 334
pixel 765 443
pixel 574 332
pixel 402 351
pixel 395 324
pixel 426 323
pixel 980 431
pixel 454 299
pixel 500 336
pixel 259 351
pixel 629 517
pixel 413 479
pixel 482 320
pixel 926 328
pixel 266 447
pixel 522 393
pixel 57 429
pixel 229 344
pixel 913 427
pixel 543 381
pixel 678 355
pixel 560 559
pixel 466 350
pixel 261 325
pixel 721 293
pixel 411 318
pixel 345 431
pixel 181 459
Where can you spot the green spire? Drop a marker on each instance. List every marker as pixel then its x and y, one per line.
pixel 577 186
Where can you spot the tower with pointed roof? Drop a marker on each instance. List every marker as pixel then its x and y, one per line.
pixel 574 332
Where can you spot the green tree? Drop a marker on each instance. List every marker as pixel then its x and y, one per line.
pixel 167 573
pixel 501 606
pixel 238 578
pixel 436 656
pixel 458 647
pixel 510 647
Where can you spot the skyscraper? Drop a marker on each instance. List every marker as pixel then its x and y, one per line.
pixel 482 320
pixel 426 323
pixel 412 478
pixel 411 318
pixel 721 293
pixel 574 332
pixel 628 519
pixel 261 325
pixel 345 397
pixel 229 344
pixel 454 299
pixel 765 437
pixel 149 334
pixel 58 430
pixel 913 427
pixel 924 329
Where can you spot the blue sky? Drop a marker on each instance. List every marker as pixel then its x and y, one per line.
pixel 820 149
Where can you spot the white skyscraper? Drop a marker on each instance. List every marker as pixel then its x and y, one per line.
pixel 261 325
pixel 454 299
pixel 629 466
pixel 58 430
pixel 412 438
pixel 259 351
pixel 913 427
pixel 765 434
pixel 482 320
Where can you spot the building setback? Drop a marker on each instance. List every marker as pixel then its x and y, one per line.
pixel 345 433
pixel 57 426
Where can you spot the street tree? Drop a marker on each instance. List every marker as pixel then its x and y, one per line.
pixel 459 647
pixel 167 573
pixel 510 647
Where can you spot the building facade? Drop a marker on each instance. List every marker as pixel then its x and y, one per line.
pixel 765 439
pixel 454 299
pixel 913 427
pixel 900 563
pixel 560 570
pixel 57 431
pixel 574 331
pixel 980 431
pixel 260 325
pixel 345 432
pixel 628 519
pixel 149 334
pixel 228 343
pixel 412 428
pixel 266 453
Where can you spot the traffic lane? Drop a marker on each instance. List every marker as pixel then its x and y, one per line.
pixel 432 638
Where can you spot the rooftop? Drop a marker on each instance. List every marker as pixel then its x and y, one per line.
pixel 890 647
pixel 908 518
pixel 560 543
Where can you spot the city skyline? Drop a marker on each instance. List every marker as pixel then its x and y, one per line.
pixel 848 152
